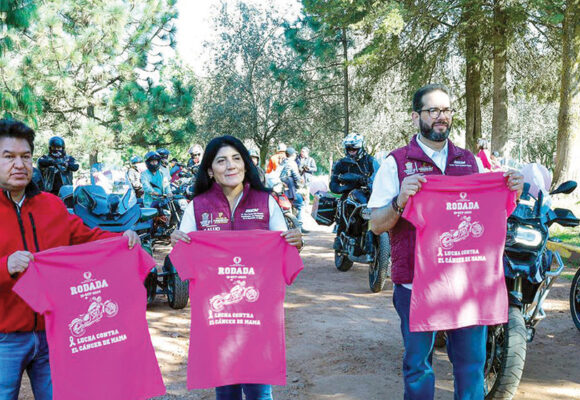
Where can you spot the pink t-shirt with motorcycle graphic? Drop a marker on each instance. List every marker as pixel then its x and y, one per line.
pixel 94 302
pixel 237 282
pixel 461 229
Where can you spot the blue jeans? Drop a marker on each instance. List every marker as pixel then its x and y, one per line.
pixel 298 203
pixel 21 351
pixel 465 347
pixel 252 392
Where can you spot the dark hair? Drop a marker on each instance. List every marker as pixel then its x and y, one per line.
pixel 16 129
pixel 418 96
pixel 203 181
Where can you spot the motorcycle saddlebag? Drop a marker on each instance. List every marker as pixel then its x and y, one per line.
pixel 324 208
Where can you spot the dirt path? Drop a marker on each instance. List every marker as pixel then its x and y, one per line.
pixel 344 343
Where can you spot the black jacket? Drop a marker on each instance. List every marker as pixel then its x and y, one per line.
pixel 348 174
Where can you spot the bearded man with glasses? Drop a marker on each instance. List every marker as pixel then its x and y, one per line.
pixel 401 175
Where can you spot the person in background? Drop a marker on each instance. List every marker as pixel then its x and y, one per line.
pixel 155 185
pixel 277 158
pixel 306 167
pixel 291 178
pixel 228 179
pixel 255 155
pixel 164 167
pixel 134 176
pixel 57 167
pixel 482 154
pixel 195 155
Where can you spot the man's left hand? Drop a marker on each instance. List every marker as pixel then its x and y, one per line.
pixel 515 181
pixel 133 238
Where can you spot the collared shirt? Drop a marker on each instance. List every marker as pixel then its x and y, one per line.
pixel 19 203
pixel 386 182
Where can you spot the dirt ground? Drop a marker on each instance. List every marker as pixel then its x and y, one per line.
pixel 344 343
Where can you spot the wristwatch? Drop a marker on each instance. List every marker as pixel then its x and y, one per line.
pixel 395 205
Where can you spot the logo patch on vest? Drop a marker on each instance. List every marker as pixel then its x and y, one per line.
pixel 210 223
pixel 410 168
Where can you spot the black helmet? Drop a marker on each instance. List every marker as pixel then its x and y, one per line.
pixel 136 160
pixel 164 153
pixel 152 156
pixel 53 144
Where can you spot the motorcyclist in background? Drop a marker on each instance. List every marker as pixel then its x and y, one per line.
pixel 195 153
pixel 164 167
pixel 134 176
pixel 351 172
pixel 56 167
pixel 255 156
pixel 154 183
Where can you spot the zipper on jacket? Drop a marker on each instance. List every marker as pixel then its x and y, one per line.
pixel 17 209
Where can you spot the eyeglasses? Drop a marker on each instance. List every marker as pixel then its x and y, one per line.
pixel 196 154
pixel 436 112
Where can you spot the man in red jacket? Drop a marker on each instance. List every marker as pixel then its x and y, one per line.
pixel 32 221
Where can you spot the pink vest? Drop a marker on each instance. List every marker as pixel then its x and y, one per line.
pixel 411 160
pixel 212 210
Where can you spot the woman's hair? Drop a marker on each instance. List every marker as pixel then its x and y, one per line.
pixel 204 182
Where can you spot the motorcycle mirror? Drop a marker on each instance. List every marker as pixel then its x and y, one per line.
pixel 86 198
pixel 566 187
pixel 525 192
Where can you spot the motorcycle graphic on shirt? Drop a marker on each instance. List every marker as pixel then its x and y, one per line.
pixel 235 295
pixel 465 229
pixel 96 311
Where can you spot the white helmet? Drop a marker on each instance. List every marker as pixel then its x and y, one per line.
pixel 281 147
pixel 354 141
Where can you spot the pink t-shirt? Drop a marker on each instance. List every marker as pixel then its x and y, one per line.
pixel 461 228
pixel 237 283
pixel 94 303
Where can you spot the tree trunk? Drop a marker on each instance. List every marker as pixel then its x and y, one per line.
pixel 346 82
pixel 499 125
pixel 472 80
pixel 568 143
pixel 93 158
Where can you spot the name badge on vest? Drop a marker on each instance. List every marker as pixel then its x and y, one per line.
pixel 459 163
pixel 252 214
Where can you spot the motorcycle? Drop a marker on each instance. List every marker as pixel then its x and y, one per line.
pixel 356 242
pixel 235 295
pixel 110 203
pixel 96 311
pixel 529 278
pixel 286 205
pixel 575 299
pixel 171 209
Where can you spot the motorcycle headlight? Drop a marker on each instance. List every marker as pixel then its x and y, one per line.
pixel 528 237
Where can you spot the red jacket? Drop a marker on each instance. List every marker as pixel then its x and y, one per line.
pixel 43 223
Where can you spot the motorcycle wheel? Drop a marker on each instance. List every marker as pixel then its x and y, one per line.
pixel 177 290
pixel 151 287
pixel 379 268
pixel 575 299
pixel 341 261
pixel 505 357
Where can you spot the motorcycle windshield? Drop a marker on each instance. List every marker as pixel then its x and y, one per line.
pixel 115 183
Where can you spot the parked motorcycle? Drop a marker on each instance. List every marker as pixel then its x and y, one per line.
pixel 286 205
pixel 575 299
pixel 529 278
pixel 110 203
pixel 356 242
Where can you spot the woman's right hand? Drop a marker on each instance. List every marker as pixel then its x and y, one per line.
pixel 179 235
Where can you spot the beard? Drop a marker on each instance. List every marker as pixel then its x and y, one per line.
pixel 429 133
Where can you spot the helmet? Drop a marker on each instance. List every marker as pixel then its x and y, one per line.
pixel 163 153
pixel 254 153
pixel 53 144
pixel 136 160
pixel 281 147
pixel 354 141
pixel 195 149
pixel 152 156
